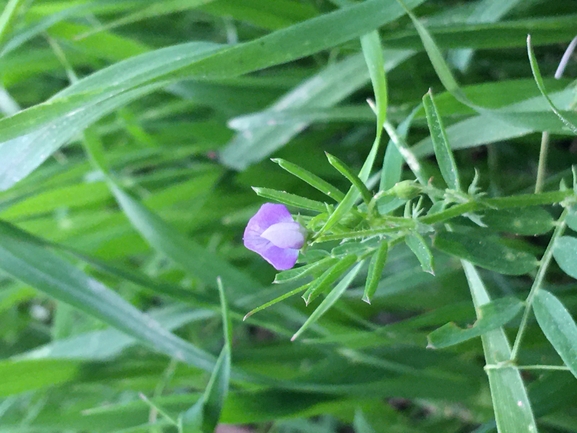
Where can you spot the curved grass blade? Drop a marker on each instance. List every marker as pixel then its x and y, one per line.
pixel 107 344
pixel 373 52
pixel 7 18
pixel 330 300
pixel 29 261
pixel 205 413
pixel 436 58
pixel 23 147
pixel 541 85
pixel 192 257
pixel 485 11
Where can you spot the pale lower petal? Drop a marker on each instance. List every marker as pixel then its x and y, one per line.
pixel 285 235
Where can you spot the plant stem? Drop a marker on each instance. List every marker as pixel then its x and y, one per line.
pixel 542 167
pixel 545 260
pixel 522 200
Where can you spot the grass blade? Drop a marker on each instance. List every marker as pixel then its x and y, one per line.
pixel 513 413
pixel 373 53
pixel 29 261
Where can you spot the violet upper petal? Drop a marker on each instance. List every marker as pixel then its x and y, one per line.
pixel 285 235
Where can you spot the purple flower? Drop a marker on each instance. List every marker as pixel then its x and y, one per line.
pixel 273 234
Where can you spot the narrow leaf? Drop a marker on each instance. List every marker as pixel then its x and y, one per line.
pixel 348 173
pixel 290 199
pixel 277 300
pixel 565 254
pixel 303 271
pixel 437 59
pixel 312 179
pixel 443 152
pixel 327 278
pixel 485 252
pixel 375 272
pixel 528 221
pixel 571 219
pixel 420 248
pixel 558 326
pixel 330 300
pixel 491 316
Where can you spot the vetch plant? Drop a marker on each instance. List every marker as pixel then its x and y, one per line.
pixel 439 216
pixel 436 256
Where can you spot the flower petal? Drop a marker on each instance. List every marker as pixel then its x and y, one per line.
pixel 285 235
pixel 267 215
pixel 281 258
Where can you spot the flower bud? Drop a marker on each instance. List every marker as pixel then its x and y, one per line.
pixel 406 189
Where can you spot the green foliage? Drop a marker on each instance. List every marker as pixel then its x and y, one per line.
pixel 133 138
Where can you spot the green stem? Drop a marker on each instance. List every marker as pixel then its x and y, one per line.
pixel 527 367
pixel 360 234
pixel 522 200
pixel 450 213
pixel 541 169
pixel 544 367
pixel 545 261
